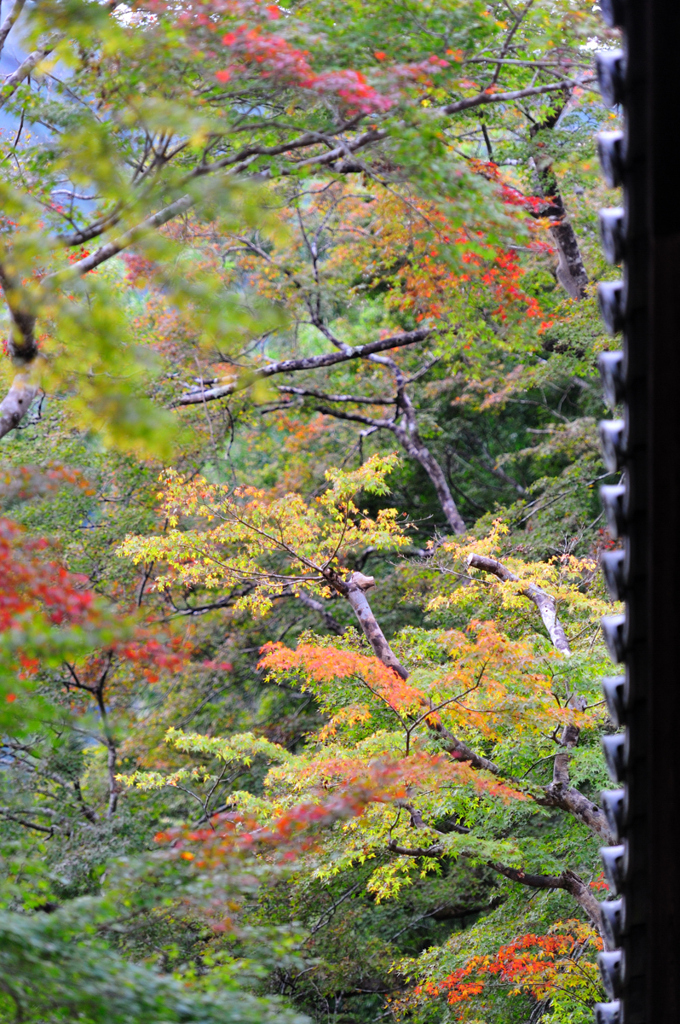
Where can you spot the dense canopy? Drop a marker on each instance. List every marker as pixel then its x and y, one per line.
pixel 300 660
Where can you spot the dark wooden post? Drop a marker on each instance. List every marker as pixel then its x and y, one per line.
pixel 644 979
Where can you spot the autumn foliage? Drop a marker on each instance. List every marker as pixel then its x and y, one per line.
pixel 532 963
pixel 29 582
pixel 298 488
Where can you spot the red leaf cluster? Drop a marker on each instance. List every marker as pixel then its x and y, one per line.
pixel 233 834
pixel 253 46
pixel 325 664
pixel 28 582
pixel 531 961
pixel 139 269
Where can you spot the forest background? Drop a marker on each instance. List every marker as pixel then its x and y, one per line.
pixel 300 658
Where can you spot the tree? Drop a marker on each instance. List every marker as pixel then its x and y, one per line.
pixel 152 154
pixel 492 674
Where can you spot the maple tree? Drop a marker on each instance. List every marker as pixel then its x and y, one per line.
pixel 148 154
pixel 299 649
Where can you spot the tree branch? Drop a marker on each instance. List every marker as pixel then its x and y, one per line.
pixel 505 97
pixel 106 252
pixel 6 27
pixel 11 815
pixel 356 595
pixel 319 607
pixel 16 403
pixel 13 81
pixel 575 803
pixel 436 850
pixel 355 592
pixel 559 793
pixel 356 417
pixel 546 604
pixel 304 363
pixel 568 880
pixel 409 438
pixel 309 393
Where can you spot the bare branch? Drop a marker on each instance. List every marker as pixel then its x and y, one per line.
pixel 305 363
pixel 356 417
pixel 310 393
pixel 106 252
pixel 13 816
pixel 505 97
pixel 320 608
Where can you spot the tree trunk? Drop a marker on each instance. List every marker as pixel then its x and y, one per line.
pixel 414 447
pixel 571 272
pixel 356 587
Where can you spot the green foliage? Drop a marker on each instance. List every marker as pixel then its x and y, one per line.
pixel 56 966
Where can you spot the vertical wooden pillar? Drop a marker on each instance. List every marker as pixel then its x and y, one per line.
pixel 662 720
pixel 650 453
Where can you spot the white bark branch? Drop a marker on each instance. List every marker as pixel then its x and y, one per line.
pixel 16 403
pixel 6 27
pixel 546 604
pixel 116 245
pixel 559 793
pixel 13 81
